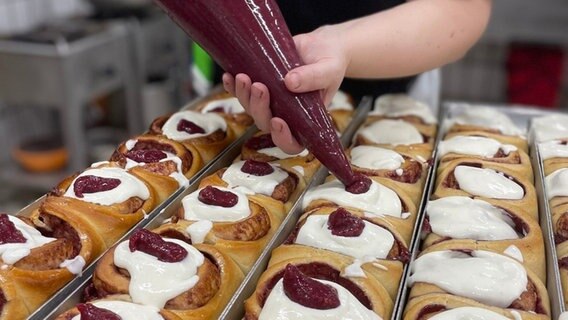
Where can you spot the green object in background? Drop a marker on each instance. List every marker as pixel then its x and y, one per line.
pixel 203 70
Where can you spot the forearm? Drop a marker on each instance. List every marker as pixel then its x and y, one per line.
pixel 412 38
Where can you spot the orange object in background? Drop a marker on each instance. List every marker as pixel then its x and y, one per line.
pixel 535 74
pixel 41 155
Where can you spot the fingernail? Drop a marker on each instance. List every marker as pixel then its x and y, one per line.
pixel 294 80
pixel 277 127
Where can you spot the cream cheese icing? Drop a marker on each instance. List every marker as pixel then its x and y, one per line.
pixel 475 146
pixel 229 105
pixel 468 313
pixel 398 105
pixel 487 183
pixel 488 118
pixel 340 101
pixel 278 153
pixel 129 187
pixel 557 183
pixel 484 276
pixel 210 122
pixel 376 158
pixel 395 132
pixel 199 230
pixel 235 177
pixel 551 127
pixel 178 175
pixel 14 252
pixel 194 209
pixel 553 149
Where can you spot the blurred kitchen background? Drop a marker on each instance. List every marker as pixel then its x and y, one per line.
pixel 79 76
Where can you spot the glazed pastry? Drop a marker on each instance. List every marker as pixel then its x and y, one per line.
pixel 101 203
pixel 207 132
pixel 35 263
pixel 372 245
pixel 549 128
pixel 441 306
pixel 476 178
pixel 307 288
pixel 164 164
pixel 263 179
pixel 403 107
pixel 118 307
pixel 192 281
pixel 230 109
pixel 384 199
pixel 391 133
pixel 556 184
pixel 462 222
pixel 261 148
pixel 554 154
pixel 341 110
pixel 476 275
pixel 457 146
pixel 238 225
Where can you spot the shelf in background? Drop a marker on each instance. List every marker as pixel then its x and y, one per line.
pixel 14 175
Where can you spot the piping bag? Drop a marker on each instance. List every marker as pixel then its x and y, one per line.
pixel 251 36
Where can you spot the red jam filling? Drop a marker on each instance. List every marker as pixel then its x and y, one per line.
pixel 8 231
pixel 257 168
pixel 189 127
pixel 219 109
pixel 429 309
pixel 342 223
pixel 361 184
pixel 146 156
pixel 260 142
pixel 308 292
pixel 94 184
pixel 153 244
pixel 90 312
pixel 215 197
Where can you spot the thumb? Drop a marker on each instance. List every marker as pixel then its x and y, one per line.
pixel 311 77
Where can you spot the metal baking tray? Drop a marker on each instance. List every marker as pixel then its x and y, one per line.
pixel 74 293
pixel 521 116
pixel 70 287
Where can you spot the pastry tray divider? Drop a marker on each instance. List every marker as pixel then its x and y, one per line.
pixel 521 116
pixel 72 290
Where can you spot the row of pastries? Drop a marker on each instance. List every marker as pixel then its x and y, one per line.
pixel 345 257
pixel 482 251
pixel 87 213
pixel 190 266
pixel 550 134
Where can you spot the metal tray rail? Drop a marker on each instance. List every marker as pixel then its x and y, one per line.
pixel 71 287
pixel 521 116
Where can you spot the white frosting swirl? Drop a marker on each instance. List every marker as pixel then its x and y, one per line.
pixel 127 310
pixel 14 252
pixel 199 230
pixel 475 146
pixel 487 183
pixel 552 127
pixel 278 153
pixel 484 276
pixel 466 218
pixel 210 122
pixel 468 313
pixel 129 187
pixel 399 105
pixel 553 149
pixel 235 177
pixel 340 101
pixel 154 282
pixel 395 132
pixel 75 265
pixel 194 209
pixel 487 117
pixel 375 241
pixel 229 105
pixel 377 201
pixel 375 158
pixel 178 175
pixel 279 307
pixel 557 183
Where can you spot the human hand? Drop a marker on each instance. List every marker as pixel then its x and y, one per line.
pixel 326 61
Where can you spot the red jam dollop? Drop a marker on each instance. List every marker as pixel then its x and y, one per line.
pixel 153 244
pixel 260 142
pixel 91 312
pixel 308 292
pixel 361 184
pixel 8 231
pixel 94 184
pixel 189 127
pixel 215 197
pixel 146 156
pixel 257 168
pixel 342 223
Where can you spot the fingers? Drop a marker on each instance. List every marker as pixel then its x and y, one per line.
pixel 312 77
pixel 259 106
pixel 282 137
pixel 242 89
pixel 229 83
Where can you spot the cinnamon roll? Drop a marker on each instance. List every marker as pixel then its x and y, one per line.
pixel 191 281
pixel 230 109
pixel 476 178
pixel 461 222
pixel 554 154
pixel 236 224
pixel 482 276
pixel 206 132
pixel 35 263
pixel 549 128
pixel 341 110
pixel 556 184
